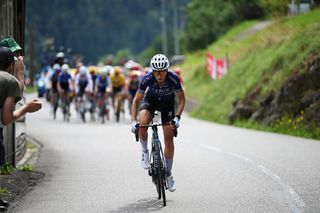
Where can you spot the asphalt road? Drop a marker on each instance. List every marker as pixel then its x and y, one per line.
pixel 96 168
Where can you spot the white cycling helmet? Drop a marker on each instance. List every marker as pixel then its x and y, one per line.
pixel 60 55
pixel 56 67
pixel 104 70
pixel 159 62
pixel 65 68
pixel 83 70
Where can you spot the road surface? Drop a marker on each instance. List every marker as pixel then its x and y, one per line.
pixel 96 168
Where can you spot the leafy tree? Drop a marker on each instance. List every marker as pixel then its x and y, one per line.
pixel 207 20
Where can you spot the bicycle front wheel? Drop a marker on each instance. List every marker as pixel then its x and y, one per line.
pixel 161 178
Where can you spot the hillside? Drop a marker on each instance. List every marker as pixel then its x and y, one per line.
pixel 272 78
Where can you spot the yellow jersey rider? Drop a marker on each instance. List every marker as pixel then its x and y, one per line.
pixel 118 82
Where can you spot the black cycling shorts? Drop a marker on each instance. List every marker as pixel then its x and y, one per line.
pixel 164 105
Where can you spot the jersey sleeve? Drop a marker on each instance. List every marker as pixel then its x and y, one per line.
pixel 176 81
pixel 144 84
pixel 14 89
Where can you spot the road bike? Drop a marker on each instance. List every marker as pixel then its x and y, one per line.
pixel 158 166
pixel 118 105
pixel 103 108
pixel 54 104
pixel 82 107
pixel 65 106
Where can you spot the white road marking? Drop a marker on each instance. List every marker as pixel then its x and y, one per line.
pixel 296 204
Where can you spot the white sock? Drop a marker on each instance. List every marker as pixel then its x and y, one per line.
pixel 169 163
pixel 144 145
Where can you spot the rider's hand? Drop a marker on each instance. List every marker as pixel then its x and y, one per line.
pixel 176 121
pixel 133 126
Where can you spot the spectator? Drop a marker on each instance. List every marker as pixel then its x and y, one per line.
pixel 10 93
pixel 19 67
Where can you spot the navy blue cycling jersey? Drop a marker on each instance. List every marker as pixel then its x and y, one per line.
pixel 64 80
pixel 166 89
pixel 102 84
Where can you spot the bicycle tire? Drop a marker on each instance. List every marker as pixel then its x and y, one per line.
pixel 118 116
pixel 66 114
pixel 155 170
pixel 102 113
pixel 160 178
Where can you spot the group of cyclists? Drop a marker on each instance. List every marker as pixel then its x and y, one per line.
pixel 93 89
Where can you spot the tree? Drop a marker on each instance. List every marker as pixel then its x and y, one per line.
pixel 207 20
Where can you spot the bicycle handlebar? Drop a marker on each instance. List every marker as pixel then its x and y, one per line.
pixel 175 131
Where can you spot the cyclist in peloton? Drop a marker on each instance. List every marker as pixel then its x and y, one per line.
pixel 132 85
pixel 160 87
pixel 83 85
pixel 54 97
pixel 64 83
pixel 118 82
pixel 101 88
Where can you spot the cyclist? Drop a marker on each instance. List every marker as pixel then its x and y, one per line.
pixel 160 87
pixel 54 97
pixel 118 82
pixel 60 58
pixel 93 73
pixel 133 85
pixel 102 85
pixel 64 84
pixel 83 85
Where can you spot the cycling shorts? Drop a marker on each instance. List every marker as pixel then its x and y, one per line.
pixel 116 90
pixel 166 107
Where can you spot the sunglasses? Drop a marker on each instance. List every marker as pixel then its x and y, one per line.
pixel 159 72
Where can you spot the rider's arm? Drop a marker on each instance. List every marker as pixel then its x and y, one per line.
pixel 71 83
pixel 9 115
pixel 89 87
pixel 76 83
pixel 135 104
pixel 181 103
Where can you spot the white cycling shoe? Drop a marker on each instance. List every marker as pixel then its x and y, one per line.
pixel 170 183
pixel 145 160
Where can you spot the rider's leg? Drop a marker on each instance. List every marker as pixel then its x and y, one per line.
pixel 169 152
pixel 169 147
pixel 145 117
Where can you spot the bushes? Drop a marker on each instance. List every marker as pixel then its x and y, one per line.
pixel 275 7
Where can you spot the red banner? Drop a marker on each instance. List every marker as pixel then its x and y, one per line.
pixel 216 67
pixel 221 67
pixel 211 66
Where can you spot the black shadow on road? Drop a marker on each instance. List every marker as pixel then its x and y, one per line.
pixel 143 205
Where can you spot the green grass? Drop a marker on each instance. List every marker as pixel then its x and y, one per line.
pixel 3 191
pixel 264 59
pixel 7 169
